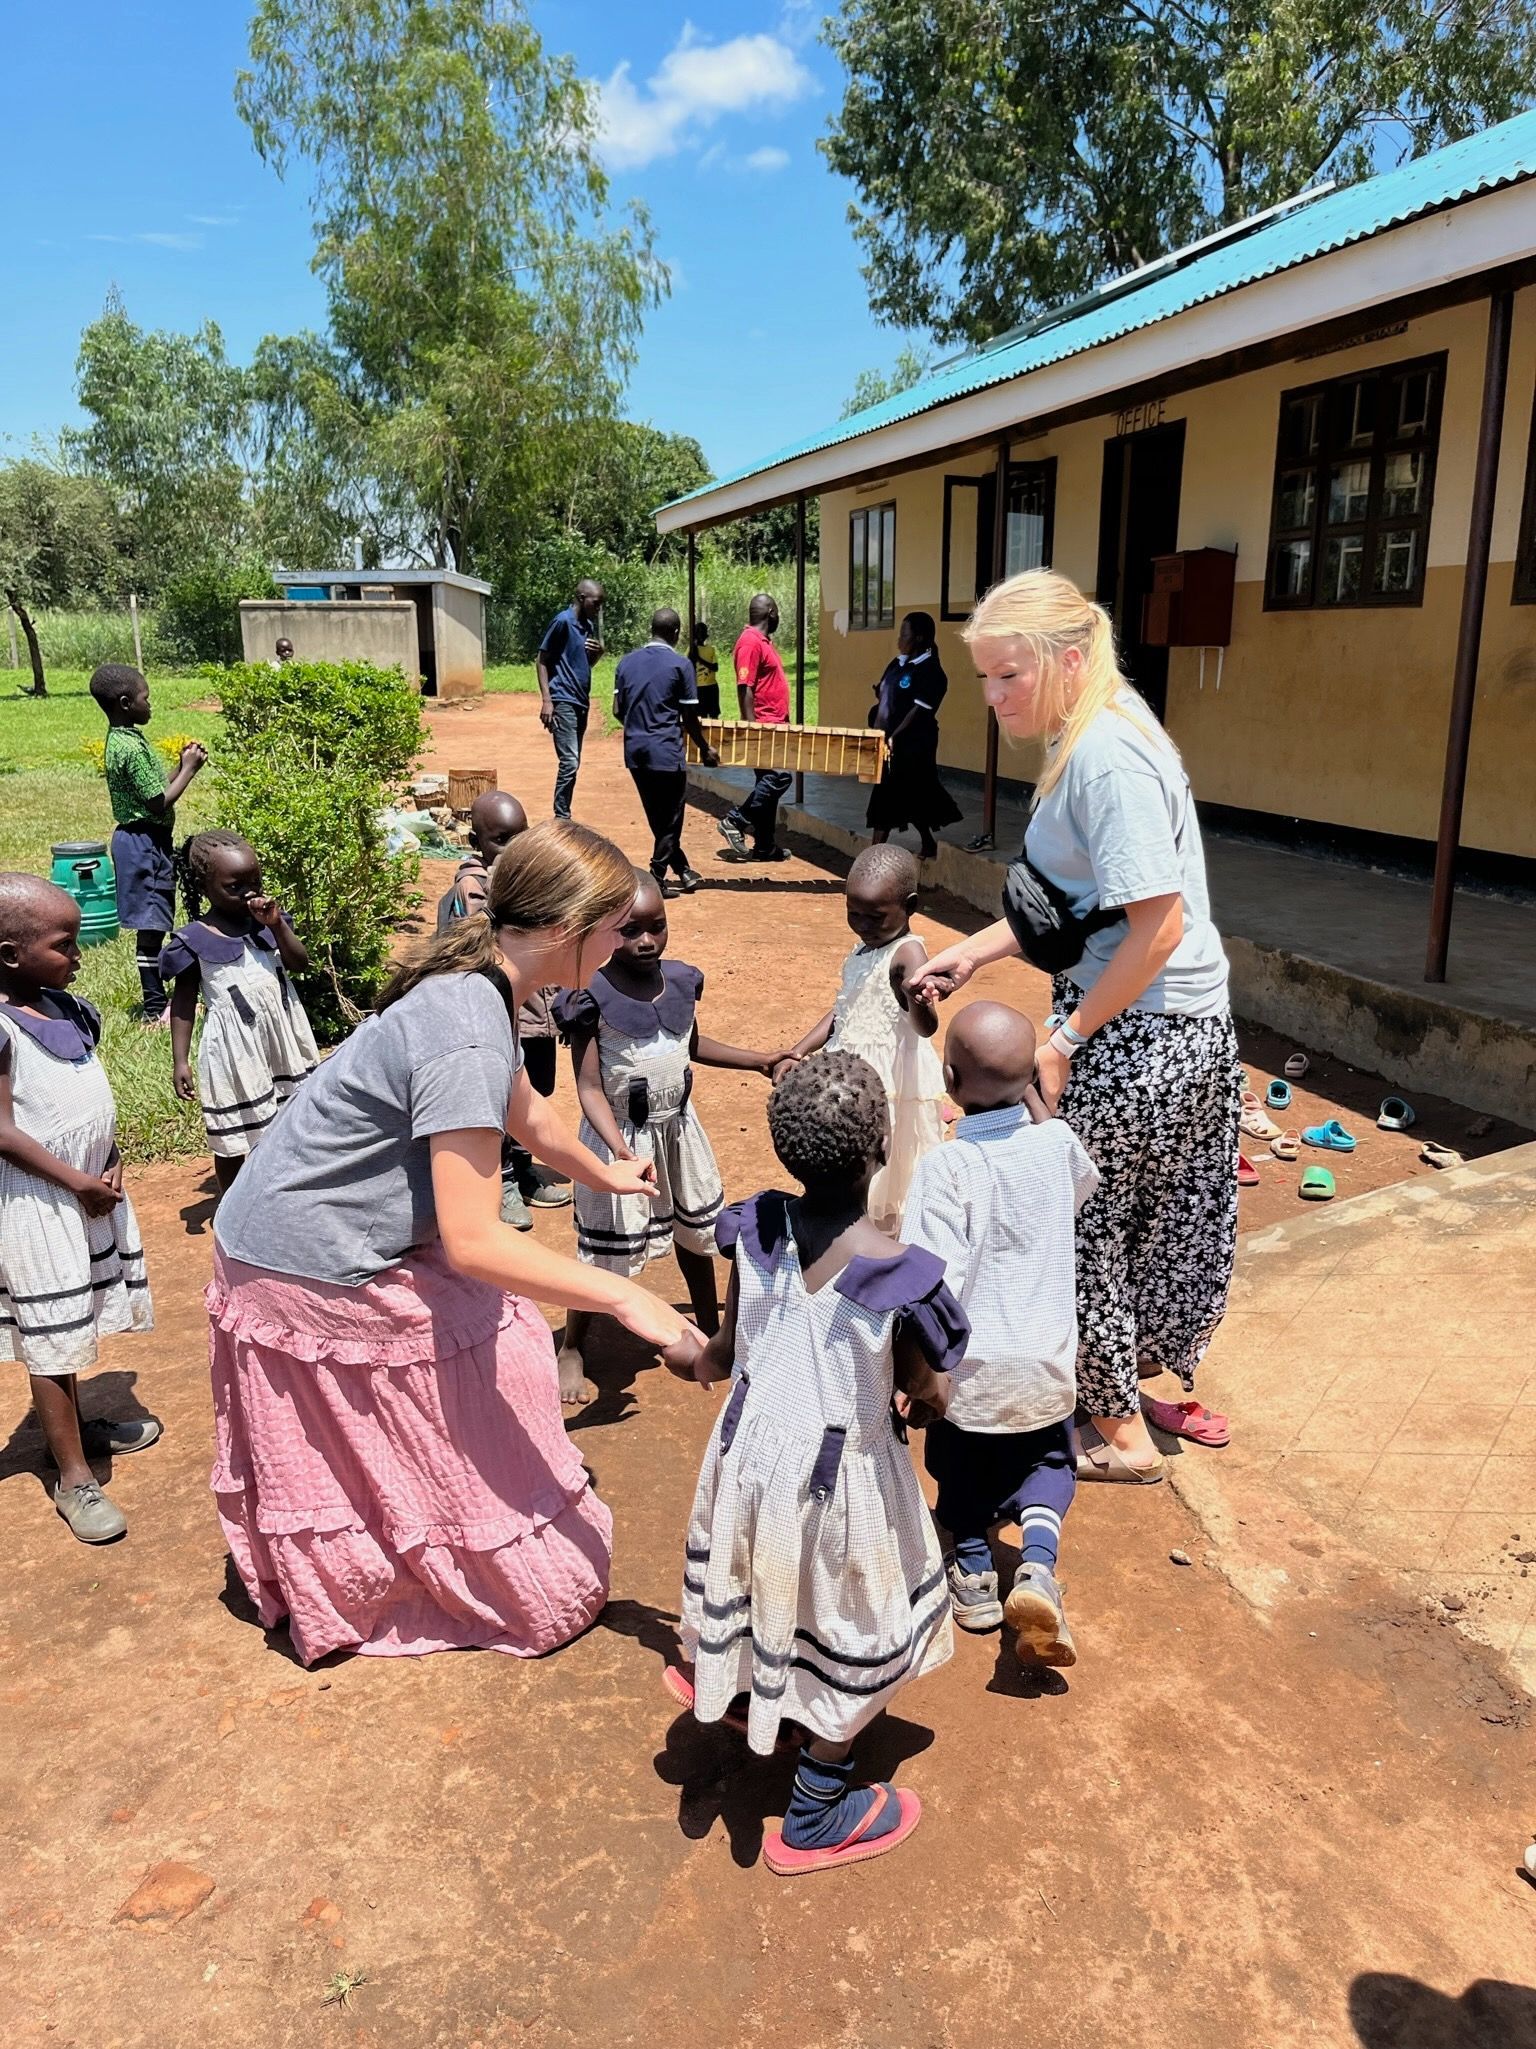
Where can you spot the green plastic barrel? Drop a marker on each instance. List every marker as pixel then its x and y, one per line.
pixel 85 870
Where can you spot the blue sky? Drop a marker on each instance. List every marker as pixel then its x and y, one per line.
pixel 131 167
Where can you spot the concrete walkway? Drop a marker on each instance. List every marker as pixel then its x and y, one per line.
pixel 1379 1365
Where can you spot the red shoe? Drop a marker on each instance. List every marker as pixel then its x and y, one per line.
pixel 1247 1172
pixel 1187 1419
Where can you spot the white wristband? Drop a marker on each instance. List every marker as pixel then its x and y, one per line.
pixel 1060 1043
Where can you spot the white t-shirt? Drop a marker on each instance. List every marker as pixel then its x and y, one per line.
pixel 999 1205
pixel 1120 827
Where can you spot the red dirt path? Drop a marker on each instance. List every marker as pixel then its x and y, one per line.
pixel 1224 1827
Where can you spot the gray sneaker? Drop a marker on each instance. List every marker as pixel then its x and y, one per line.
pixel 514 1210
pixel 93 1518
pixel 973 1599
pixel 104 1438
pixel 548 1195
pixel 729 829
pixel 1033 1611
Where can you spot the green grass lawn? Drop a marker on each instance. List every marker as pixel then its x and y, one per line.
pixel 50 791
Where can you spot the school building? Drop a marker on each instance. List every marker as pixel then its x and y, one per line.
pixel 1296 463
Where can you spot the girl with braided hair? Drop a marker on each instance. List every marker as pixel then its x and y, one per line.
pixel 813 1588
pixel 237 952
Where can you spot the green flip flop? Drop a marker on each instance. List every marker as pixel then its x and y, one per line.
pixel 1317 1185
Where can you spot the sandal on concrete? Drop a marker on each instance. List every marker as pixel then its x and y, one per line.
pixel 1097 1459
pixel 1187 1419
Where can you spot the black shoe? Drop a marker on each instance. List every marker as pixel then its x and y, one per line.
pixel 667 886
pixel 730 831
pixel 689 881
pixel 769 854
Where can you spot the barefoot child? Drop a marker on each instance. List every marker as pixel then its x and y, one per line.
pixel 998 1205
pixel 813 1585
pixel 495 820
pixel 71 1258
pixel 237 954
pixel 633 1032
pixel 878 1018
pixel 144 805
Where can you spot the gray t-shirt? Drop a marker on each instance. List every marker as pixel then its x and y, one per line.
pixel 1119 827
pixel 341 1186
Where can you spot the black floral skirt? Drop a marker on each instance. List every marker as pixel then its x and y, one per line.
pixel 1155 1099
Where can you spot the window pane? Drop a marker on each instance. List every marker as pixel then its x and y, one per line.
pixel 1403 484
pixel 1341 569
pixel 1295 499
pixel 888 566
pixel 1027 507
pixel 1413 402
pixel 1293 569
pixel 857 532
pixel 960 587
pixel 1349 492
pixel 1298 427
pixel 1397 558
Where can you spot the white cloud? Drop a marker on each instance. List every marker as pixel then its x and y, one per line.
pixel 214 220
pixel 799 22
pixel 154 239
pixel 767 160
pixel 695 85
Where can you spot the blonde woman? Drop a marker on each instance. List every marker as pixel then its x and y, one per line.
pixel 1141 1054
pixel 392 1472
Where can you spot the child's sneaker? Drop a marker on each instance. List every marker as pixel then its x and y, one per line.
pixel 1033 1611
pixel 973 1599
pixel 90 1514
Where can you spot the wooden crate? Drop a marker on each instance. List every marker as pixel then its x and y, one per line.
pixel 810 750
pixel 465 784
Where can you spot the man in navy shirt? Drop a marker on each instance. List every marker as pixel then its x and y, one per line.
pixel 564 670
pixel 656 701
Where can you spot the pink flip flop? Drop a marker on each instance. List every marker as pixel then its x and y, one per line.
pixel 676 1682
pixel 855 1848
pixel 1187 1419
pixel 1247 1172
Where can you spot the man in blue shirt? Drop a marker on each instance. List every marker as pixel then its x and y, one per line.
pixel 656 700
pixel 564 670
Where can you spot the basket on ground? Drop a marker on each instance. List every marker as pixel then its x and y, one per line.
pixel 465 784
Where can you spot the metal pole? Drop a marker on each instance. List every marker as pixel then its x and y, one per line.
pixel 138 645
pixel 1474 593
pixel 999 571
pixel 800 632
pixel 693 591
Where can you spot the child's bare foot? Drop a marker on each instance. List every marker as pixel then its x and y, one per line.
pixel 575 1388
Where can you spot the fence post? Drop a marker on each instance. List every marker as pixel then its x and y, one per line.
pixel 138 646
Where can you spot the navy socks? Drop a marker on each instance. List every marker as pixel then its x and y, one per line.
pixel 826 1807
pixel 973 1554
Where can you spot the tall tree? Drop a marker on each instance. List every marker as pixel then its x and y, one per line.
pixel 873 387
pixel 483 305
pixel 1010 154
pixel 624 473
pixel 59 545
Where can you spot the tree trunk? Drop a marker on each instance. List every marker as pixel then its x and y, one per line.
pixel 39 680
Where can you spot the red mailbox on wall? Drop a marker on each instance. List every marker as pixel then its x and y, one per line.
pixel 1190 602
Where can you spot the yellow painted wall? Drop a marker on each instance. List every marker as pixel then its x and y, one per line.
pixel 1332 715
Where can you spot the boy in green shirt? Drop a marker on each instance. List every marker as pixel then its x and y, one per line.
pixel 144 805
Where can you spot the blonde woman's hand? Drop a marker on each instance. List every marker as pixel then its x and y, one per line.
pixel 631 1177
pixel 654 1322
pixel 941 975
pixel 1051 1072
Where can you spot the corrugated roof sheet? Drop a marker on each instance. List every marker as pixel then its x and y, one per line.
pixel 1499 156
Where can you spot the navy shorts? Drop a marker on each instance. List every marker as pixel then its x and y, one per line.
pixel 146 877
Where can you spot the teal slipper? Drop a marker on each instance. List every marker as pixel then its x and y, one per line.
pixel 1317 1185
pixel 1278 1096
pixel 1330 1137
pixel 1396 1114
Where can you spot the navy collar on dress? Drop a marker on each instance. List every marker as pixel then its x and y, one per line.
pixel 217 948
pixel 881 1285
pixel 73 1035
pixel 639 1018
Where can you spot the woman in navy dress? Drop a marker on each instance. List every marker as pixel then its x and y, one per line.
pixel 906 708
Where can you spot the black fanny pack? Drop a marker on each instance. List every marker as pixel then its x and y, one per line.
pixel 1050 934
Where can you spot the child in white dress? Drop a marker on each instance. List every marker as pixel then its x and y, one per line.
pixel 813 1588
pixel 71 1258
pixel 634 1034
pixel 876 1017
pixel 237 953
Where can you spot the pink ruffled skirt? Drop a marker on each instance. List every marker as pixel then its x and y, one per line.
pixel 392 1472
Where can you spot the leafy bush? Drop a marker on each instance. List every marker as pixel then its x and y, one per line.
pixel 313 752
pixel 199 610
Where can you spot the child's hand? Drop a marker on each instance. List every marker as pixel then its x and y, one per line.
pixel 918 1411
pixel 182 1082
pixel 96 1194
pixel 1051 1073
pixel 193 755
pixel 632 1177
pixel 783 1062
pixel 113 1175
pixel 266 910
pixel 681 1357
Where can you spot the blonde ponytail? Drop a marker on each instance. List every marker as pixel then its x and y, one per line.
pixel 1050 615
pixel 558 876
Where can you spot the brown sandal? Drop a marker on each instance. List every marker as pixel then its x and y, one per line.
pixel 1097 1459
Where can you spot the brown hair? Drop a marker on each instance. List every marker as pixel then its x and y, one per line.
pixel 557 875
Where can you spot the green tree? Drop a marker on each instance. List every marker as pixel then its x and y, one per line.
pixel 59 545
pixel 613 488
pixel 483 305
pixel 872 387
pixel 1044 145
pixel 168 428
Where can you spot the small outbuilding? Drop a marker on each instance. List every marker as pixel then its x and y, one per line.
pixel 428 622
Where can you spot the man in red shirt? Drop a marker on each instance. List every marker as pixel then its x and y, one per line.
pixel 764 698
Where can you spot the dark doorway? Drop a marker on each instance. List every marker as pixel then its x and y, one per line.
pixel 1139 519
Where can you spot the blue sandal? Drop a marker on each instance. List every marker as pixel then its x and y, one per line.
pixel 1278 1096
pixel 1330 1137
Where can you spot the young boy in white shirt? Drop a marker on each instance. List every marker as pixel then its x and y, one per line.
pixel 999 1204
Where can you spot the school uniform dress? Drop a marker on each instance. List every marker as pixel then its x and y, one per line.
pixel 66 1279
pixel 643 1052
pixel 909 791
pixel 867 1020
pixel 257 1046
pixel 998 1205
pixel 812 1578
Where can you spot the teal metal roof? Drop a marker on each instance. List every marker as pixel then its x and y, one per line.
pixel 1503 155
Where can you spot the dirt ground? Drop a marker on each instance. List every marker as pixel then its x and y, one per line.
pixel 1229 1825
